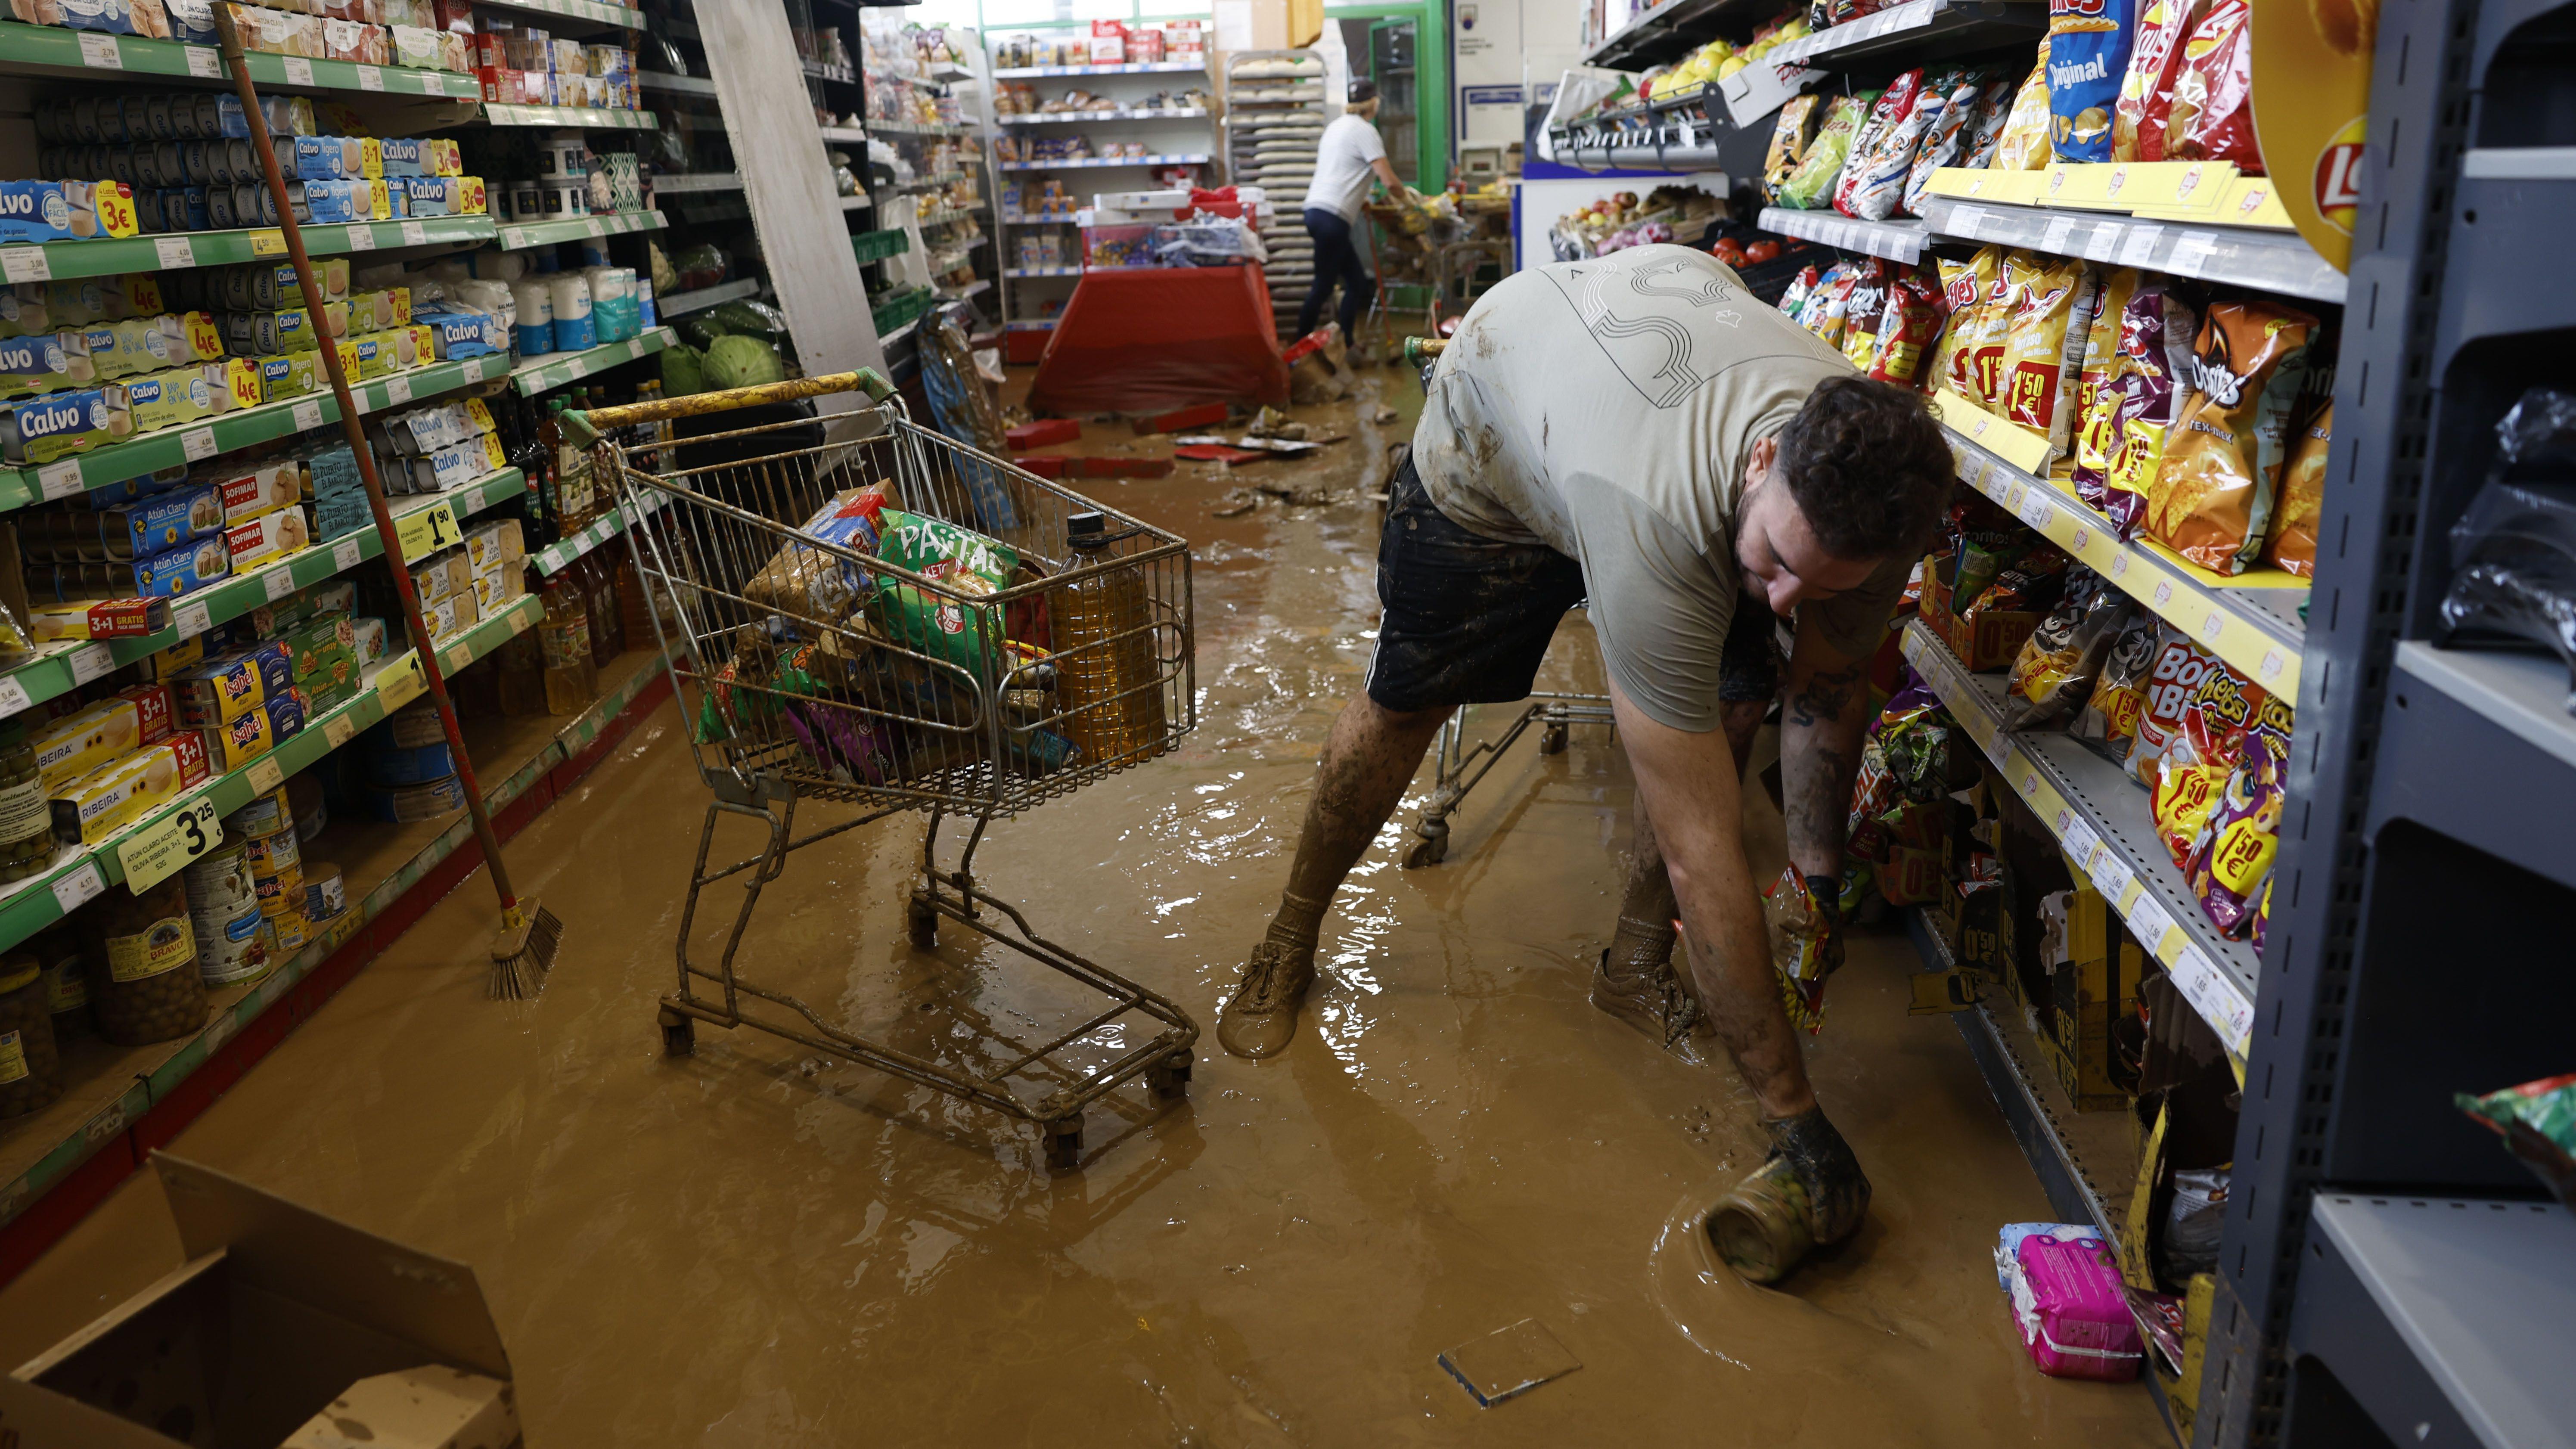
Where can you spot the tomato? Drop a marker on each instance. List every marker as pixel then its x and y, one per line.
pixel 1728 251
pixel 1762 251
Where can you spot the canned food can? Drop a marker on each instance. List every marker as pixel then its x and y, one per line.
pixel 161 112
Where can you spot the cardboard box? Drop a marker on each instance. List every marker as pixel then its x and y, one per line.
pixel 283 1327
pixel 1990 640
pixel 2093 969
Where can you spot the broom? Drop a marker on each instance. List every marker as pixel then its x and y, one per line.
pixel 530 934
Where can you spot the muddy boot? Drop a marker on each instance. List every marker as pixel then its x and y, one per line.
pixel 1810 1190
pixel 1262 1017
pixel 1634 981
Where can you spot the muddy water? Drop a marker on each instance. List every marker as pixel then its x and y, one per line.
pixel 754 1247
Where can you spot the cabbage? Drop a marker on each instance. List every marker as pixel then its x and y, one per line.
pixel 750 319
pixel 743 362
pixel 683 370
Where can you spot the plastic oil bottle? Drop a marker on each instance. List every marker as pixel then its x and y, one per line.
pixel 1106 682
pixel 572 680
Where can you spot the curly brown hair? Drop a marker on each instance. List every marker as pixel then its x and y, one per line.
pixel 1867 466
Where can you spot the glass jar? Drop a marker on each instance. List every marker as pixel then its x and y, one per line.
pixel 31 1074
pixel 26 821
pixel 65 979
pixel 143 982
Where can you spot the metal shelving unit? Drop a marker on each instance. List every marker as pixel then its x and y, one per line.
pixel 1271 132
pixel 2273 261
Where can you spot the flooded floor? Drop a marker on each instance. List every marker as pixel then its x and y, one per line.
pixel 757 1247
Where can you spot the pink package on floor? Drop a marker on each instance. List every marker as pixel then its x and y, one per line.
pixel 2073 1316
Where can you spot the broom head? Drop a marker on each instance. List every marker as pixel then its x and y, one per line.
pixel 525 952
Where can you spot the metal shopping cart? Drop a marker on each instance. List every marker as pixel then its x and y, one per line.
pixel 1457 766
pixel 900 622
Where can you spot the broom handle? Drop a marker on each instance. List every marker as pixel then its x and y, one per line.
pixel 413 623
pixel 699 404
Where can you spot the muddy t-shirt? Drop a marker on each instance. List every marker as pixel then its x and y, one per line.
pixel 1605 408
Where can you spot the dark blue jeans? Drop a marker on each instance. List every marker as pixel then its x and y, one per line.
pixel 1336 259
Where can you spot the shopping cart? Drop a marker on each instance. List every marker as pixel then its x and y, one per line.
pixel 1456 766
pixel 1046 645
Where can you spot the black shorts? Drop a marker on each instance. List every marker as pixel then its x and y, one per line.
pixel 1468 618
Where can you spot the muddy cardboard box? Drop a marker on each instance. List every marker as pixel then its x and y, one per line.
pixel 284 1327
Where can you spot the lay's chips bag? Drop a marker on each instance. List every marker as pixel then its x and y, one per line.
pixel 2088 56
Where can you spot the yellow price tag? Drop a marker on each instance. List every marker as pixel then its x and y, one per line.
pixel 426 532
pixel 152 854
pixel 268 242
pixel 265 775
pixel 400 683
pixel 339 729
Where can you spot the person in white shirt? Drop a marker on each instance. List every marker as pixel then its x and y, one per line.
pixel 1349 154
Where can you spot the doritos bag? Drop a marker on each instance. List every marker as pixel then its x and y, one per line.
pixel 2023 145
pixel 2096 430
pixel 2109 719
pixel 2231 859
pixel 2303 498
pixel 2213 493
pixel 2146 87
pixel 2149 381
pixel 2044 351
pixel 2088 53
pixel 1906 329
pixel 1821 164
pixel 1964 287
pixel 1789 137
pixel 1886 114
pixel 2213 92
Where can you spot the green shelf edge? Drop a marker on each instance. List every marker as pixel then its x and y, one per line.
pixel 551 371
pixel 619 15
pixel 67 260
pixel 547 233
pixel 56 46
pixel 553 559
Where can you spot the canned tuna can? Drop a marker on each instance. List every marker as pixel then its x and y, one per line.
pixel 161 112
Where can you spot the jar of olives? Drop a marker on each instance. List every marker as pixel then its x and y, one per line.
pixel 31 1074
pixel 26 820
pixel 66 981
pixel 143 980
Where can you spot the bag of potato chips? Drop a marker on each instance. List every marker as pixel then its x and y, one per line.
pixel 2212 112
pixel 1811 184
pixel 1789 137
pixel 2096 429
pixel 1964 287
pixel 2148 382
pixel 1986 128
pixel 2024 143
pixel 2088 50
pixel 2198 755
pixel 1886 114
pixel 2155 48
pixel 2109 719
pixel 1906 328
pixel 2293 548
pixel 1944 140
pixel 1861 312
pixel 2044 350
pixel 2213 493
pixel 2231 859
pixel 2171 681
pixel 2062 658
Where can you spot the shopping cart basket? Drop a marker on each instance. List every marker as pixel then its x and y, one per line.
pixel 899 622
pixel 1457 766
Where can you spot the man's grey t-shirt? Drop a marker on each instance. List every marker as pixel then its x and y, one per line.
pixel 1605 409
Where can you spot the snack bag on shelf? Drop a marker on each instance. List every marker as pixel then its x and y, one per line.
pixel 2172 679
pixel 1907 328
pixel 1789 138
pixel 2096 430
pixel 2213 493
pixel 2149 381
pixel 1798 929
pixel 2199 753
pixel 1945 138
pixel 2231 859
pixel 1861 312
pixel 1811 185
pixel 1986 127
pixel 2044 350
pixel 1886 115
pixel 2212 116
pixel 1794 296
pixel 2293 546
pixel 1827 306
pixel 2146 84
pixel 2023 146
pixel 1988 335
pixel 2109 719
pixel 2088 47
pixel 2064 656
pixel 1964 286
pixel 1877 185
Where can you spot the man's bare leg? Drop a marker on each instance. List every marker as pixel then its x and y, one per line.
pixel 1368 759
pixel 1634 980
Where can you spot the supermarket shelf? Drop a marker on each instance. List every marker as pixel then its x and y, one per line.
pixel 917 128
pixel 2273 261
pixel 847 135
pixel 929 183
pixel 1672 30
pixel 68 666
pixel 581 116
pixel 971 289
pixel 860 202
pixel 2478 745
pixel 1898 241
pixel 2444 1318
pixel 679 85
pixel 2101 818
pixel 1151 113
pixel 626 16
pixel 112 1087
pixel 2519 163
pixel 1925 30
pixel 44 49
pixel 172 447
pixel 560 555
pixel 46 261
pixel 1190 159
pixel 547 233
pixel 679 303
pixel 946 215
pixel 1064 220
pixel 696 212
pixel 554 369
pixel 1159 67
pixel 2256 630
pixel 824 70
pixel 684 183
pixel 1024 273
pixel 1030 324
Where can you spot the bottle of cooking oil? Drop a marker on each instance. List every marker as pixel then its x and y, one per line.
pixel 1106 682
pixel 572 681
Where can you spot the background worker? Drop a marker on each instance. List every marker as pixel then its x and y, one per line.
pixel 1350 153
pixel 1641 432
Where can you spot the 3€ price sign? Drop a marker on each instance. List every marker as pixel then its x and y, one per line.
pixel 152 854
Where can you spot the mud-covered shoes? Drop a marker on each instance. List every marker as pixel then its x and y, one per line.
pixel 1647 995
pixel 1262 1017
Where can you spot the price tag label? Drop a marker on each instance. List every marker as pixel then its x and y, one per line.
pixel 268 242
pixel 2272 665
pixel 345 555
pixel 59 480
pixel 91 661
pixel 2120 564
pixel 2218 1002
pixel 192 620
pixel 77 887
pixel 13 695
pixel 2101 242
pixel 2034 508
pixel 339 729
pixel 175 251
pixel 2029 783
pixel 25 264
pixel 278 582
pixel 156 851
pixel 265 775
pixel 398 389
pixel 2164 593
pixel 400 683
pixel 453 661
pixel 426 532
pixel 205 63
pixel 1967 221
pixel 308 415
pixel 595 227
pixel 2110 876
pixel 415 233
pixel 2191 254
pixel 370 78
pixel 2152 922
pixel 2077 835
pixel 474 369
pixel 512 238
pixel 99 52
pixel 362 237
pixel 198 444
pixel 2053 238
pixel 2138 244
pixel 2212 627
pixel 299 71
pixel 2083 537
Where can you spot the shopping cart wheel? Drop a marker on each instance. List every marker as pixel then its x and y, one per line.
pixel 1551 740
pixel 1170 1077
pixel 921 921
pixel 679 1035
pixel 1063 1143
pixel 1430 846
